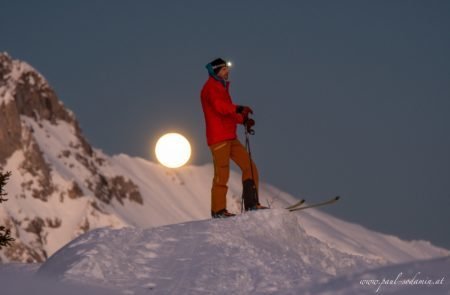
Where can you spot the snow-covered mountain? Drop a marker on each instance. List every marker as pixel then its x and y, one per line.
pixel 62 188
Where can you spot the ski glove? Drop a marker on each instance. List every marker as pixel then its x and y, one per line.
pixel 249 123
pixel 244 110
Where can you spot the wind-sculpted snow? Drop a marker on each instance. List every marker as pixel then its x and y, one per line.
pixel 259 252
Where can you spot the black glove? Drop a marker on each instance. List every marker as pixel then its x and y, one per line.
pixel 244 110
pixel 249 123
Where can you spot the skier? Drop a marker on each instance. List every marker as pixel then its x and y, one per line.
pixel 222 118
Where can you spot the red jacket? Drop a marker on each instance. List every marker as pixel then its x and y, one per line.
pixel 220 112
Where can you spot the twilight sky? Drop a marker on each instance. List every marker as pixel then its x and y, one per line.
pixel 350 97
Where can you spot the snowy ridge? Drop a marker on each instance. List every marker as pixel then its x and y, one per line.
pixel 265 252
pixel 355 239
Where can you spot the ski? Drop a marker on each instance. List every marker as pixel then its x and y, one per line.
pixel 328 202
pixel 295 204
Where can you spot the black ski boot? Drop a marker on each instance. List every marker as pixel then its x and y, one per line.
pixel 249 195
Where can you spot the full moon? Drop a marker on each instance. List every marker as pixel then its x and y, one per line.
pixel 173 150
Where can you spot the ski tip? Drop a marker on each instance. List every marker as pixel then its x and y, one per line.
pixel 337 198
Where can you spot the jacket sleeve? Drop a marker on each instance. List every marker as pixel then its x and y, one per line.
pixel 223 106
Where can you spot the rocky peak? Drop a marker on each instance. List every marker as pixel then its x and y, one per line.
pixel 53 167
pixel 24 91
pixel 30 91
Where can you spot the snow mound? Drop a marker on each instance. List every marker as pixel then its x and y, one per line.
pixel 259 252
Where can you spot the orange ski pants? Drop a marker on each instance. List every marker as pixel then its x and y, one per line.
pixel 222 152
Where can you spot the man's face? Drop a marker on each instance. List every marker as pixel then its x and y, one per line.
pixel 223 73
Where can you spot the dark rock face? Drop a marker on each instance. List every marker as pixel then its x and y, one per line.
pixel 5 67
pixel 35 165
pixel 117 188
pixel 35 99
pixel 10 131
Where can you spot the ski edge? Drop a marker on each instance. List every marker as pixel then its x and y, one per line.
pixel 295 204
pixel 328 202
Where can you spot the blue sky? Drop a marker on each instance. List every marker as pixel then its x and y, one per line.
pixel 350 97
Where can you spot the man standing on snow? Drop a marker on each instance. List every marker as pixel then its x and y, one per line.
pixel 222 118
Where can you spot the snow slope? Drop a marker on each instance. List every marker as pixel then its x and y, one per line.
pixel 20 279
pixel 428 277
pixel 264 252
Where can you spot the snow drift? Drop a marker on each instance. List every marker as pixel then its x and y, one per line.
pixel 264 252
